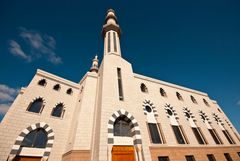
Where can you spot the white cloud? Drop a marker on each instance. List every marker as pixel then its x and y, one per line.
pixel 41 46
pixel 7 93
pixel 16 49
pixel 54 59
pixel 5 97
pixel 4 108
pixel 238 103
pixel 9 90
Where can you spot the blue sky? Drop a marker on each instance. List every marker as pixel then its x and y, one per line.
pixel 190 43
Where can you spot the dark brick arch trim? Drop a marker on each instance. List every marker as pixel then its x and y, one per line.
pixel 169 107
pixel 204 117
pixel 150 104
pixel 33 100
pixel 133 124
pixel 50 134
pixel 186 110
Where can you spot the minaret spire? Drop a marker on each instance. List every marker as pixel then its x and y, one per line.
pixel 94 67
pixel 111 34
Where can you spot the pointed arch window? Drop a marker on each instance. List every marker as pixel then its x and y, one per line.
pixel 163 93
pixel 206 102
pixel 58 111
pixel 196 130
pixel 122 126
pixel 42 82
pixel 144 88
pixel 224 130
pixel 36 106
pixel 177 129
pixel 148 109
pixel 57 87
pixel 69 91
pixel 154 133
pixel 193 99
pixel 35 139
pixel 179 96
pixel 212 131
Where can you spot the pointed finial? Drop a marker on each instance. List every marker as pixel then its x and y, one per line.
pixel 111 23
pixel 111 10
pixel 111 17
pixel 94 67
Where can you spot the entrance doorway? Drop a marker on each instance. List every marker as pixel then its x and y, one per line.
pixel 20 158
pixel 123 153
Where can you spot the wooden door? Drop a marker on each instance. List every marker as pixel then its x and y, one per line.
pixel 123 153
pixel 19 158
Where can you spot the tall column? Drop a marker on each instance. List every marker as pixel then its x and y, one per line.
pixel 139 152
pixel 110 146
pixel 111 33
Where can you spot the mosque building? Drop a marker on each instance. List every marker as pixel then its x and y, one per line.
pixel 114 114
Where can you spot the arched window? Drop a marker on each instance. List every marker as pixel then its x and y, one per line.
pixel 143 88
pixel 57 87
pixel 36 106
pixel 206 103
pixel 148 109
pixel 196 130
pixel 203 117
pixel 193 99
pixel 42 82
pixel 35 139
pixel 69 91
pixel 163 93
pixel 58 111
pixel 187 115
pixel 219 110
pixel 179 96
pixel 122 127
pixel 170 113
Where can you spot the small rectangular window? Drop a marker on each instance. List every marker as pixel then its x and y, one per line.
pixel 154 133
pixel 164 158
pixel 178 134
pixel 109 42
pixel 238 154
pixel 228 136
pixel 120 88
pixel 215 136
pixel 211 157
pixel 228 157
pixel 198 135
pixel 115 42
pixel 190 158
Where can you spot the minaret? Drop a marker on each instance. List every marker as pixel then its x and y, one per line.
pixel 111 33
pixel 94 67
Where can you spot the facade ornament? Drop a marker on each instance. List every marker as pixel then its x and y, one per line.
pixel 94 67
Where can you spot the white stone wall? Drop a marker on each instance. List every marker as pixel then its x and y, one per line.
pixel 85 116
pixel 109 102
pixel 84 125
pixel 171 89
pixel 133 99
pixel 17 118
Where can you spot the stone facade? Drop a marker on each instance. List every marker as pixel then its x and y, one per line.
pixel 86 129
